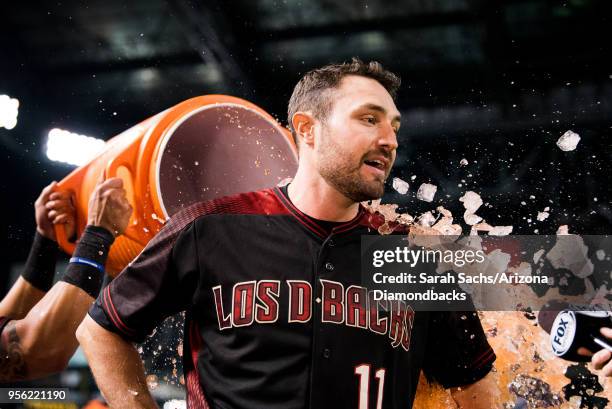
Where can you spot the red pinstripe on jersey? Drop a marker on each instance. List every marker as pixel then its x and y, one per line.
pixel 196 398
pixel 484 358
pixel 113 315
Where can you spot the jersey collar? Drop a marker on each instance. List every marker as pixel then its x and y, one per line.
pixel 311 224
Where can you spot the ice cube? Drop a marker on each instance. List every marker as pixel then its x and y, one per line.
pixel 543 216
pixel 444 212
pixel 483 227
pixel 427 219
pixel 537 256
pixel 447 229
pixel 388 210
pixel 568 141
pixel 471 201
pixel 463 162
pixel 405 218
pixel 600 254
pixel 572 254
pixel 426 192
pixel 471 218
pixel 400 186
pixel 445 224
pixel 500 230
pixel 385 229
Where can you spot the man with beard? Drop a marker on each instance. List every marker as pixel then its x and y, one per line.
pixel 270 281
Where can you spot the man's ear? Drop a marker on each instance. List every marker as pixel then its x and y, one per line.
pixel 303 123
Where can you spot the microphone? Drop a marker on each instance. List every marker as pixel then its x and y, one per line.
pixel 571 330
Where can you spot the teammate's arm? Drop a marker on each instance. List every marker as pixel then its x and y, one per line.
pixel 37 277
pixel 116 365
pixel 44 341
pixel 483 394
pixel 20 299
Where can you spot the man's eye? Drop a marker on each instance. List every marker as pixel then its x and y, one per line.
pixel 369 119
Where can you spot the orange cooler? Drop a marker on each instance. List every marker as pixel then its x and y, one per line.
pixel 200 149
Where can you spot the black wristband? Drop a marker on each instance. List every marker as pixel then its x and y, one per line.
pixel 92 249
pixel 40 267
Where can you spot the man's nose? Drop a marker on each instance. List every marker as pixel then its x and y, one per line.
pixel 388 137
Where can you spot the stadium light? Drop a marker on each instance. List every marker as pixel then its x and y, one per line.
pixel 72 148
pixel 9 109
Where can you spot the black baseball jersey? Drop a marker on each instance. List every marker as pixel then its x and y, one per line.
pixel 276 317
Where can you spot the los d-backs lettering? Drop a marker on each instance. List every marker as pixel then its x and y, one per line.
pixel 355 306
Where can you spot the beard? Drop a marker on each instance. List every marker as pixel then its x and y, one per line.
pixel 342 172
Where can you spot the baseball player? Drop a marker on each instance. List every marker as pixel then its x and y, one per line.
pixel 38 319
pixel 276 316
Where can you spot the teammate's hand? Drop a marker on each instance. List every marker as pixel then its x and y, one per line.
pixel 109 207
pixel 54 208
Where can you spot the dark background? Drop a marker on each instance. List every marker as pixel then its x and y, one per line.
pixel 477 76
pixel 495 82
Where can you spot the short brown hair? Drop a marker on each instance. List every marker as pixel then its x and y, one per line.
pixel 311 93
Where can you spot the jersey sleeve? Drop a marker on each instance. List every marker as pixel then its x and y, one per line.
pixel 160 282
pixel 458 352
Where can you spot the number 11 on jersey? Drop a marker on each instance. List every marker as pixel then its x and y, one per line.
pixel 363 371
